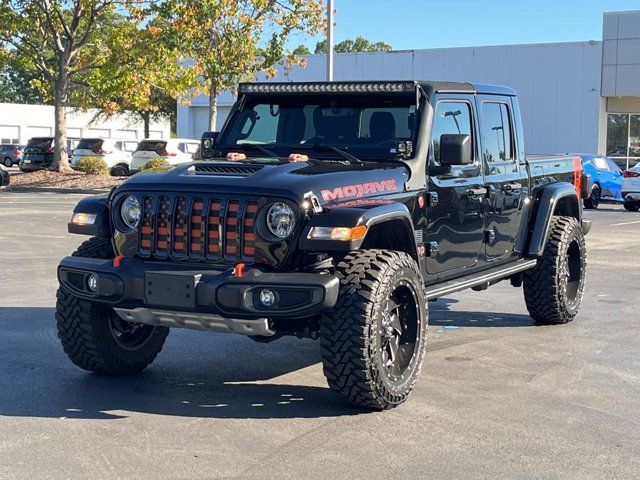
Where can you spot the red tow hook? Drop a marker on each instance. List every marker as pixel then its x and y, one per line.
pixel 238 271
pixel 117 261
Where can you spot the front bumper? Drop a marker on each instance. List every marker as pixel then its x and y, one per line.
pixel 156 286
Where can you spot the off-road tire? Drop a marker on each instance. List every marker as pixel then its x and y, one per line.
pixel 350 334
pixel 594 198
pixel 552 295
pixel 85 330
pixel 631 206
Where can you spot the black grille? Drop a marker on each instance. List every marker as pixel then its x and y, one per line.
pixel 216 229
pixel 226 170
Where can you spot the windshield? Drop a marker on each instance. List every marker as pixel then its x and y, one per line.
pixel 366 126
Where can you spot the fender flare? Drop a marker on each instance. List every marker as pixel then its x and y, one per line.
pixel 99 206
pixel 545 207
pixel 353 217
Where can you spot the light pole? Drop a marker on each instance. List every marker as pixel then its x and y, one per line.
pixel 329 40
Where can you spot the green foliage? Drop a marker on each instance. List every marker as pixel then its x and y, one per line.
pixel 360 44
pixel 93 166
pixel 301 50
pixel 155 163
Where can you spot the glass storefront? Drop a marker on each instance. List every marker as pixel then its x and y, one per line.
pixel 623 139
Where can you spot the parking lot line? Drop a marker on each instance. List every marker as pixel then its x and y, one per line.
pixel 624 223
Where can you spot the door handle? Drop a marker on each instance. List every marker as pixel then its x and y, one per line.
pixel 512 187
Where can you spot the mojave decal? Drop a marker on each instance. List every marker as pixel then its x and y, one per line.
pixel 359 190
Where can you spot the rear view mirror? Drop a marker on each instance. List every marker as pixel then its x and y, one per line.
pixel 455 149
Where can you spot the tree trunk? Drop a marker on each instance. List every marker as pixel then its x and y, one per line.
pixel 146 118
pixel 60 155
pixel 213 106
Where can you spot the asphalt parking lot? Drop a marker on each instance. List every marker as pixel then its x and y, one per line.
pixel 498 398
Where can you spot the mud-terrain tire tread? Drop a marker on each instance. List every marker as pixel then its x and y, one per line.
pixel 345 331
pixel 542 291
pixel 83 331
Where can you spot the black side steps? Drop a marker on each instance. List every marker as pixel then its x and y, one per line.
pixel 480 278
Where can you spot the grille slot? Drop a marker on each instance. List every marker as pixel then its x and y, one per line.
pixel 226 170
pixel 216 229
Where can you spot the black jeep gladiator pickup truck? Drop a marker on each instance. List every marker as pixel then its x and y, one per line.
pixel 333 211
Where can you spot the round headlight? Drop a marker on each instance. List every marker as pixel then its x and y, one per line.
pixel 131 212
pixel 281 220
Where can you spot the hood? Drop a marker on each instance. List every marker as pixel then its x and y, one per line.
pixel 331 181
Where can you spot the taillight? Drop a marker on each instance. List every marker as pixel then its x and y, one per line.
pixel 630 174
pixel 172 154
pixel 50 150
pixel 17 152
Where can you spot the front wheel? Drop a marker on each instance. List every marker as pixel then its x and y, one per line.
pixel 95 338
pixel 373 341
pixel 554 288
pixel 120 171
pixel 594 199
pixel 8 162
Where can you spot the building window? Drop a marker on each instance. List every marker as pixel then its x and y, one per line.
pixel 623 139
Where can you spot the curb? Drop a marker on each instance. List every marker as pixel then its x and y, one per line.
pixel 21 189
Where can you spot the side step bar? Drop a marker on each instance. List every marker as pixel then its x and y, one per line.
pixel 487 276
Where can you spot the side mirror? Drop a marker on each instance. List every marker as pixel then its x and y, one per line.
pixel 209 140
pixel 455 149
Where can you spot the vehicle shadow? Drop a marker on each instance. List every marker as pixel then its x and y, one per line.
pixel 196 375
pixel 440 315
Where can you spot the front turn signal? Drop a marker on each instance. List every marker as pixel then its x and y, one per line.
pixel 337 233
pixel 83 218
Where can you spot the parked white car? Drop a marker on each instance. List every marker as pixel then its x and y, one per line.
pixel 174 151
pixel 631 188
pixel 116 153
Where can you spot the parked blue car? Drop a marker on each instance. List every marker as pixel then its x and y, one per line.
pixel 607 179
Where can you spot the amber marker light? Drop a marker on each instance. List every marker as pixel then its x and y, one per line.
pixel 344 234
pixel 83 218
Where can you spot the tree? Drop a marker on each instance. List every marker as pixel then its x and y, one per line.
pixel 233 40
pixel 301 50
pixel 16 81
pixel 60 40
pixel 360 44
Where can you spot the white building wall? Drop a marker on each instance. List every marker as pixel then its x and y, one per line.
pixel 558 85
pixel 21 122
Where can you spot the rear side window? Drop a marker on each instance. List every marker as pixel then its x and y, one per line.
pixel 93 144
pixel 450 118
pixel 158 147
pixel 497 140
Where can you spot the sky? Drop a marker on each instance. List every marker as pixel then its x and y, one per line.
pixel 414 24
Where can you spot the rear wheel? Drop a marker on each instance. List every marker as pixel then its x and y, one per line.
pixel 554 288
pixel 373 341
pixel 594 199
pixel 631 206
pixel 95 338
pixel 119 171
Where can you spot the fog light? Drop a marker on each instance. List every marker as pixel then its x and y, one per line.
pixel 92 282
pixel 267 298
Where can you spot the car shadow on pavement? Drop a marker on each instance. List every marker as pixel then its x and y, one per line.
pixel 440 315
pixel 196 375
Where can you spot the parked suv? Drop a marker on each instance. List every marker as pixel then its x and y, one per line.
pixel 331 211
pixel 38 153
pixel 174 151
pixel 116 153
pixel 11 154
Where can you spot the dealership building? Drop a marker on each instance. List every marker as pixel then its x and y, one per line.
pixel 575 97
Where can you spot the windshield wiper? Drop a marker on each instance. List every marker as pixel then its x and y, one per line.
pixel 331 148
pixel 254 147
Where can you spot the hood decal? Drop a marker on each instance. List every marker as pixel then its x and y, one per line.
pixel 359 190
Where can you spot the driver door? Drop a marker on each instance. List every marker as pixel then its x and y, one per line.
pixel 456 220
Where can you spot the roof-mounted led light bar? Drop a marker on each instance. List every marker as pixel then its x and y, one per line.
pixel 329 87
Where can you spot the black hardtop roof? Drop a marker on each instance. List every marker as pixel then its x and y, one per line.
pixel 430 86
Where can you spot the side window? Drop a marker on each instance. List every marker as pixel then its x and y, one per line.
pixel 192 147
pixel 181 147
pixel 613 166
pixel 119 145
pixel 496 127
pixel 600 163
pixel 450 118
